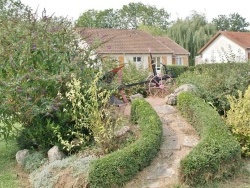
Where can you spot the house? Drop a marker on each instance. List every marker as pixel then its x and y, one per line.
pixel 135 46
pixel 225 46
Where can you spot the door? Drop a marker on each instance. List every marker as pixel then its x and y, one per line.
pixel 158 65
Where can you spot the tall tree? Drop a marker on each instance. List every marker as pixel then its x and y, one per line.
pixel 99 19
pixel 135 14
pixel 130 16
pixel 233 22
pixel 192 33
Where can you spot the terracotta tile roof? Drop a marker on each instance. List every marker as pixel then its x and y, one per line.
pixel 119 41
pixel 178 50
pixel 240 38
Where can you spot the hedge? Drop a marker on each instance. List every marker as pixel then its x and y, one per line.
pixel 218 154
pixel 115 169
pixel 177 70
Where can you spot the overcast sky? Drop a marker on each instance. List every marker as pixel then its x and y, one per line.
pixel 177 8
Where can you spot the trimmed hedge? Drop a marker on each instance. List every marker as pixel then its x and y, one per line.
pixel 218 154
pixel 121 166
pixel 177 70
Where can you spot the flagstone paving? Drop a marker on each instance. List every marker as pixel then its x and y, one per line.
pixel 179 137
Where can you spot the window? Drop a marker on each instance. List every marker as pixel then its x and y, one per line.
pixel 179 61
pixel 137 59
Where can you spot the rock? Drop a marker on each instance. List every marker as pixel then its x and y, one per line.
pixel 21 155
pixel 185 87
pixel 136 96
pixel 172 98
pixel 122 131
pixel 190 141
pixel 55 154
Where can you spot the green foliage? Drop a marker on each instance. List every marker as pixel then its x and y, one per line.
pixel 37 58
pixel 238 120
pixel 129 16
pixel 216 81
pixel 192 33
pixel 36 55
pixel 233 22
pixel 177 70
pixel 33 161
pixel 217 156
pixel 133 73
pixel 115 169
pixel 107 18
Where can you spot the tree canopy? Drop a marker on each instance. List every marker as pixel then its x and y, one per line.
pixel 233 22
pixel 130 16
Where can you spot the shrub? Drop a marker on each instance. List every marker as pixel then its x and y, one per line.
pixel 114 169
pixel 33 161
pixel 73 169
pixel 132 73
pixel 177 70
pixel 238 120
pixel 216 81
pixel 217 155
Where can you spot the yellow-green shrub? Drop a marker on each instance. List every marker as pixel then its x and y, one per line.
pixel 238 118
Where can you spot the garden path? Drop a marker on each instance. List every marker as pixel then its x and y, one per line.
pixel 179 137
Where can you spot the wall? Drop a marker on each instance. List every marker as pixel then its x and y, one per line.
pixel 222 50
pixel 145 58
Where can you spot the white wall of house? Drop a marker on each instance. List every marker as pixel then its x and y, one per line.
pixel 222 50
pixel 143 63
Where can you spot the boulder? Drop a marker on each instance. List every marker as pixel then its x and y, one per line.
pixel 136 96
pixel 55 154
pixel 122 131
pixel 21 155
pixel 172 98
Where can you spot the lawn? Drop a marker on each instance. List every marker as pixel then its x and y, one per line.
pixel 8 175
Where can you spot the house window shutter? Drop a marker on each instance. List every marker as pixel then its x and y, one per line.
pixel 121 60
pixel 164 60
pixel 173 61
pixel 149 64
pixel 185 60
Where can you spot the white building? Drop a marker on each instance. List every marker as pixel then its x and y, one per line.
pixel 225 46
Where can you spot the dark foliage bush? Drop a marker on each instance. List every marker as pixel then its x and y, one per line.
pixel 115 169
pixel 218 154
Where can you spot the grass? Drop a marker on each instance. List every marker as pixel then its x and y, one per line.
pixel 8 177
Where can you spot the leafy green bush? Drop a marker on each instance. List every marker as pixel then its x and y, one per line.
pixel 132 73
pixel 114 169
pixel 177 70
pixel 217 155
pixel 38 57
pixel 215 81
pixel 238 120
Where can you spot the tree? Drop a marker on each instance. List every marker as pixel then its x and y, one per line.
pixel 192 33
pixel 130 16
pixel 233 22
pixel 108 18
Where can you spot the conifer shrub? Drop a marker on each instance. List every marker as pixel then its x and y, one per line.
pixel 238 118
pixel 217 156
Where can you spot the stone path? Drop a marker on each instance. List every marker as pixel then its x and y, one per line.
pixel 179 137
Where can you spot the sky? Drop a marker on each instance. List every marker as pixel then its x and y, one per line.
pixel 177 8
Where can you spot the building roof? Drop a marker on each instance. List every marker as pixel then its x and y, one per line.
pixel 178 50
pixel 120 41
pixel 240 38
